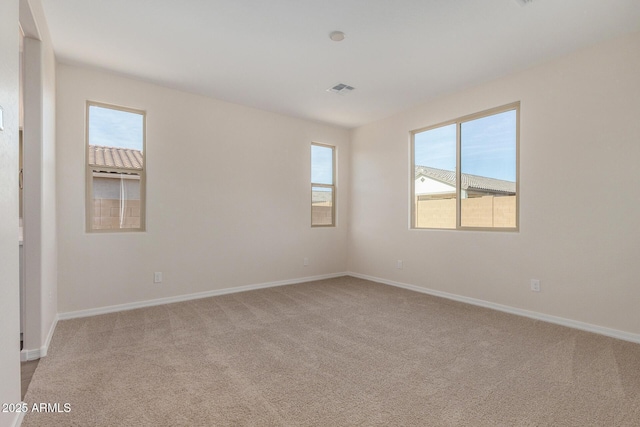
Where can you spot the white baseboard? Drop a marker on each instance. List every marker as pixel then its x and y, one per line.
pixel 49 336
pixel 36 353
pixel 188 297
pixel 29 354
pixel 614 333
pixel 17 420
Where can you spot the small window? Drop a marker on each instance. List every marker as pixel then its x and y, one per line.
pixel 465 172
pixel 115 167
pixel 323 188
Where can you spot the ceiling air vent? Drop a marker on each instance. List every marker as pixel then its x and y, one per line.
pixel 341 89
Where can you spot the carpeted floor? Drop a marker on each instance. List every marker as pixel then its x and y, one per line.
pixel 339 352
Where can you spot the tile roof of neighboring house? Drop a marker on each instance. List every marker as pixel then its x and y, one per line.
pixel 469 182
pixel 114 157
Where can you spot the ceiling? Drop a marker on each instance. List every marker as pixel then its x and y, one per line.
pixel 276 55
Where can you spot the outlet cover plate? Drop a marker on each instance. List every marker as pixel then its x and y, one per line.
pixel 535 285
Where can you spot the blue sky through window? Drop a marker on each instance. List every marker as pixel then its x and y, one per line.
pixel 488 147
pixel 115 128
pixel 436 148
pixel 321 165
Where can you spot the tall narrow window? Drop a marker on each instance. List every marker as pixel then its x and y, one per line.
pixel 465 172
pixel 115 164
pixel 323 188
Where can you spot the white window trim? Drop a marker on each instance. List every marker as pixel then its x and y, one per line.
pixel 458 122
pixel 332 186
pixel 128 173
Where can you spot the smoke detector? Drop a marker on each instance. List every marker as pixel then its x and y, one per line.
pixel 341 89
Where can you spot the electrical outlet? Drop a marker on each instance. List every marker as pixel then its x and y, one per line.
pixel 157 277
pixel 535 285
pixel 305 261
pixel 399 264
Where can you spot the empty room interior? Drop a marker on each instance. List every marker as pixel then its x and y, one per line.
pixel 354 212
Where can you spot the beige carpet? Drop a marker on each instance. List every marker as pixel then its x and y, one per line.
pixel 340 352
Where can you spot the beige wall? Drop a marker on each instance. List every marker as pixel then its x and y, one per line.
pixel 321 214
pixel 9 297
pixel 110 214
pixel 485 211
pixel 579 203
pixel 247 171
pixel 40 227
pixel 109 210
pixel 436 213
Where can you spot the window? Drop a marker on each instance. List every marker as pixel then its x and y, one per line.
pixel 115 164
pixel 323 188
pixel 465 172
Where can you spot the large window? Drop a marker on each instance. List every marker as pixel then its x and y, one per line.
pixel 323 188
pixel 465 172
pixel 115 164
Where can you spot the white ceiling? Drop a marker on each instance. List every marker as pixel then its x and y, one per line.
pixel 276 54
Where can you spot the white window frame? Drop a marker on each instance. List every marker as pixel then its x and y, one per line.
pixel 515 106
pixel 105 171
pixel 331 186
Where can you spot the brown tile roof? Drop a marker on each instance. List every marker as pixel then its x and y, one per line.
pixel 469 182
pixel 114 157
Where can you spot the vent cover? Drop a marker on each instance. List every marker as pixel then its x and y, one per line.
pixel 341 89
